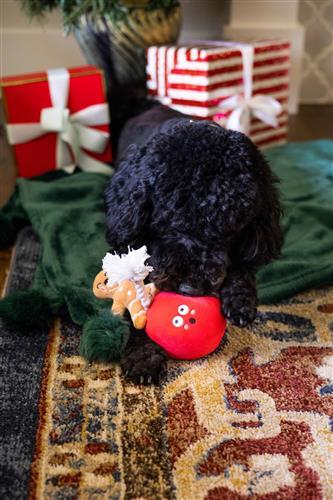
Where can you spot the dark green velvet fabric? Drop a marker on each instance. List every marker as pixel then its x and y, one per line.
pixel 68 216
pixel 67 213
pixel 306 173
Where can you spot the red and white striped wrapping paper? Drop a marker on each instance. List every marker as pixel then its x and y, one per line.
pixel 197 78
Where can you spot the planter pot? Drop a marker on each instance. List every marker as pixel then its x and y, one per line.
pixel 119 47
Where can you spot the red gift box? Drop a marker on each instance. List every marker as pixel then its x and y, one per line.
pixel 243 86
pixel 58 119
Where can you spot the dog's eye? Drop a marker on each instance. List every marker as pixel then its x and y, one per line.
pixel 183 309
pixel 177 321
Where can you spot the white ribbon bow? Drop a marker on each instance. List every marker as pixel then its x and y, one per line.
pixel 72 129
pixel 261 106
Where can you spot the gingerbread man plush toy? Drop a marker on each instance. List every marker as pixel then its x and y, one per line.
pixel 122 280
pixel 186 327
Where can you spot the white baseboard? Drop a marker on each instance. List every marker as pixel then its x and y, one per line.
pixel 294 33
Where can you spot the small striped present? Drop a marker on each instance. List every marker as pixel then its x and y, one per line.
pixel 242 86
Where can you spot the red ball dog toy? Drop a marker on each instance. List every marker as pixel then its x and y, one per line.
pixel 186 327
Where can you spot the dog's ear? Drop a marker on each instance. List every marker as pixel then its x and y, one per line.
pixel 262 239
pixel 127 202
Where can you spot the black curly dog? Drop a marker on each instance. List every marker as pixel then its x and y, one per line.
pixel 203 200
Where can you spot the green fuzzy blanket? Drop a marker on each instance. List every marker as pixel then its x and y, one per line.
pixel 306 173
pixel 67 214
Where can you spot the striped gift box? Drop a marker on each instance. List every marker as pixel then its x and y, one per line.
pixel 197 78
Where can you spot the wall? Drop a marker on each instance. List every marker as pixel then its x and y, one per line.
pixel 32 46
pixel 317 72
pixel 271 19
pixel 204 18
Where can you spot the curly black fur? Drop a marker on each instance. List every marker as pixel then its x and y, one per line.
pixel 203 199
pixel 143 362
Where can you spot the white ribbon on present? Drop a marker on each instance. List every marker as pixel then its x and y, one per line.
pixel 243 107
pixel 73 130
pixel 263 107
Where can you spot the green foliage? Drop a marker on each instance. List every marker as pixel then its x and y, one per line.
pixel 161 4
pixel 104 337
pixel 26 312
pixel 72 10
pixel 39 7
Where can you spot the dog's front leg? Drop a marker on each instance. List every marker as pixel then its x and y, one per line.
pixel 143 361
pixel 239 297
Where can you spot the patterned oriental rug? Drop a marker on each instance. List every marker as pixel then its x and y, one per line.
pixel 253 420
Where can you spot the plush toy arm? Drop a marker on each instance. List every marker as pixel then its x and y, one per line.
pixel 118 308
pixel 150 291
pixel 138 315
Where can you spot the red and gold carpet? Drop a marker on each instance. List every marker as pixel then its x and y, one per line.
pixel 254 420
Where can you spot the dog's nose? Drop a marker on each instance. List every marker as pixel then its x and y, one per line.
pixel 186 289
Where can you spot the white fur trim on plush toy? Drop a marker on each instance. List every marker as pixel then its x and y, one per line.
pixel 129 266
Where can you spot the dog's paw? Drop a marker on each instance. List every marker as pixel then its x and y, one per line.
pixel 145 365
pixel 240 310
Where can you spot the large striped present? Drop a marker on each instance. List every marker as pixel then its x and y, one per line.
pixel 243 86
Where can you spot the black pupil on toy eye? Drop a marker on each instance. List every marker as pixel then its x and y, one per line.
pixel 192 320
pixel 106 281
